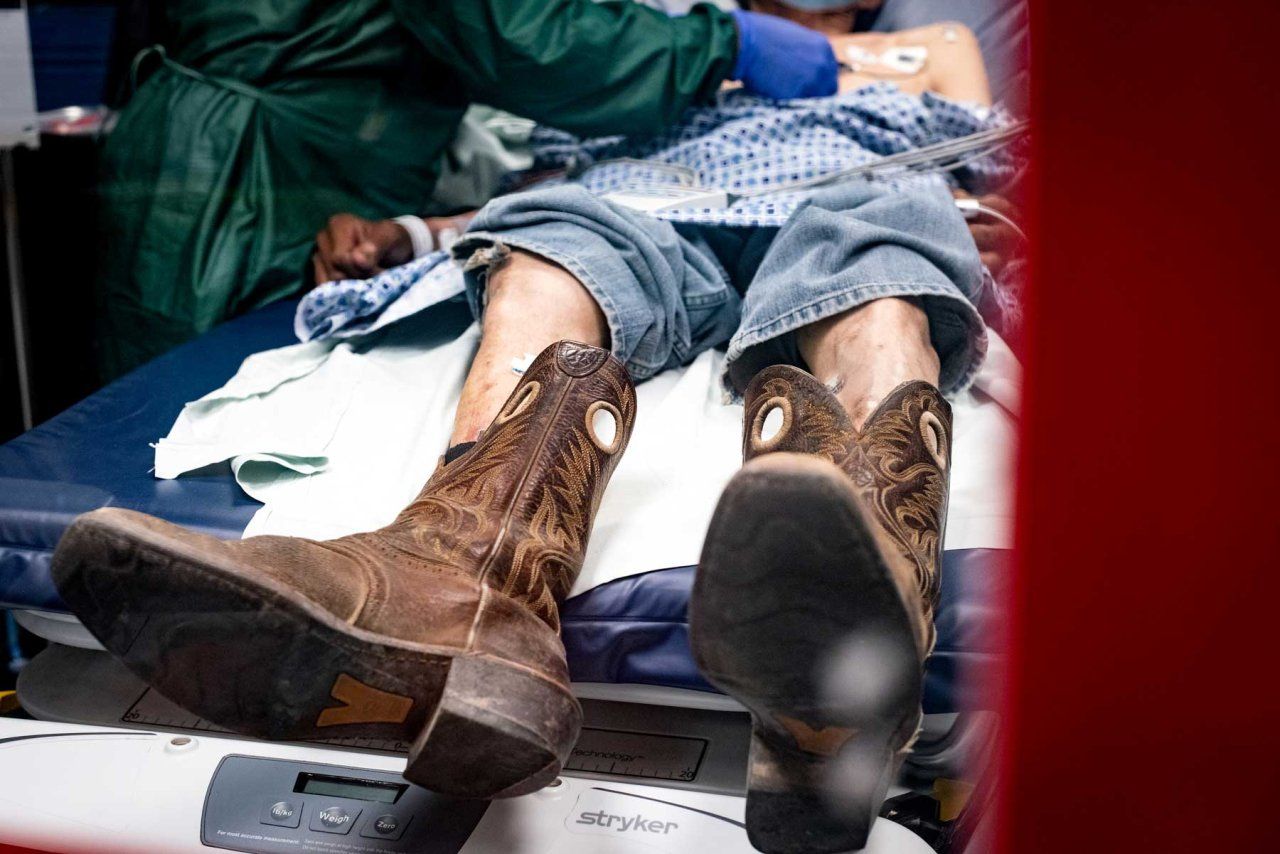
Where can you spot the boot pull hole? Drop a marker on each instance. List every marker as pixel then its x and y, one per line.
pixel 935 438
pixel 771 423
pixel 523 400
pixel 604 426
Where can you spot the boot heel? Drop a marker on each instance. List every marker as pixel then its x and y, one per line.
pixel 498 731
pixel 799 804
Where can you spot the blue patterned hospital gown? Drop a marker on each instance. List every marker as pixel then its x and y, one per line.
pixel 751 147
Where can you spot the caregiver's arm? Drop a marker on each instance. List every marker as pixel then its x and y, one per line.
pixel 615 67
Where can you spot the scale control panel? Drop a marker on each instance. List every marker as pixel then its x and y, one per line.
pixel 266 805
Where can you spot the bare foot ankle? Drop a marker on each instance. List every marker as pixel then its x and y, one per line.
pixel 865 353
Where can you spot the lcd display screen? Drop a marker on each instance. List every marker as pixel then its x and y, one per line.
pixel 345 787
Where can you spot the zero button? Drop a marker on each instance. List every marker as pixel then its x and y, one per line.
pixel 385 826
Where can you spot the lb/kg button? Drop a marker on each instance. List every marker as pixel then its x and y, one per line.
pixel 282 813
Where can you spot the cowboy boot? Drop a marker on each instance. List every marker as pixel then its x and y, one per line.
pixel 814 599
pixel 440 630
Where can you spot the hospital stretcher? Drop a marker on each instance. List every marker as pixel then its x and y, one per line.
pixel 661 762
pixel 627 640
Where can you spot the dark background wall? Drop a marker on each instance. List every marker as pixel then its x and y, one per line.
pixel 80 53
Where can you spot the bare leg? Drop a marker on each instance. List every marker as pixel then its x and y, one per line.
pixel 532 303
pixel 865 353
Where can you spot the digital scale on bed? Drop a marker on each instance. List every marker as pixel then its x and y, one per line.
pixel 112 766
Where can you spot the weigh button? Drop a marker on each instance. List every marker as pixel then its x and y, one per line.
pixel 334 820
pixel 282 813
pixel 385 826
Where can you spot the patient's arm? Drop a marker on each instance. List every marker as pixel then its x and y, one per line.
pixel 351 247
pixel 954 68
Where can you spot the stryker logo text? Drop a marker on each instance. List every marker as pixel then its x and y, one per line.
pixel 622 823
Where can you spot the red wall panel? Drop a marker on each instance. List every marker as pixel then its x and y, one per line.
pixel 1142 690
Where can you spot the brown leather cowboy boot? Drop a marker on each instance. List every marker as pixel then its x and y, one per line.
pixel 814 598
pixel 440 629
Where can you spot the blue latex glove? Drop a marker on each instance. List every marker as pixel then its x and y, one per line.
pixel 781 59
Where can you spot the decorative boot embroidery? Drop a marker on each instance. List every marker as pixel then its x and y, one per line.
pixel 898 461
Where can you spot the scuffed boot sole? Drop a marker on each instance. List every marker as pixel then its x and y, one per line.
pixel 790 575
pixel 257 659
pixel 496 732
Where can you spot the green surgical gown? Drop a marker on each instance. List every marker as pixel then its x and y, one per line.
pixel 264 117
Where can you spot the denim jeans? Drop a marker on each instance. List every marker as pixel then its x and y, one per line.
pixel 669 291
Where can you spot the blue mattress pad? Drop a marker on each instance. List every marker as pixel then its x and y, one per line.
pixel 633 630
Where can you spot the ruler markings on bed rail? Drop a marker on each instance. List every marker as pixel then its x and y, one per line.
pixel 619 753
pixel 637 754
pixel 152 709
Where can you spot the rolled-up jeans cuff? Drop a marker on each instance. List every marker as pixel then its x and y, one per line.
pixel 469 250
pixel 956 329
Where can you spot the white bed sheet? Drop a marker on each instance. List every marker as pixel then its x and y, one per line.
pixel 336 437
